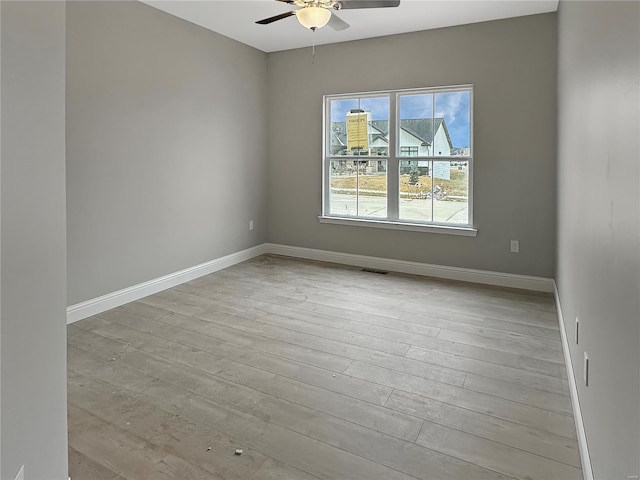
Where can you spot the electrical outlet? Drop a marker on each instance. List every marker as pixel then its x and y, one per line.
pixel 250 224
pixel 586 370
pixel 632 477
pixel 577 330
pixel 515 246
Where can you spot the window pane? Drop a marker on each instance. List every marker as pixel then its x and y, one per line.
pixel 372 189
pixel 358 188
pixel 451 192
pixel 416 127
pixel 453 117
pixel 415 191
pixel 430 123
pixel 343 191
pixel 359 127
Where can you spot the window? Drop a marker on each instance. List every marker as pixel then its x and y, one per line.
pixel 411 151
pixel 399 157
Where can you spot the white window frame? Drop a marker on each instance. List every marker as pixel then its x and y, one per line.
pixel 393 160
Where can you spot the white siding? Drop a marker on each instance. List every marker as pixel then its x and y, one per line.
pixel 409 140
pixel 442 147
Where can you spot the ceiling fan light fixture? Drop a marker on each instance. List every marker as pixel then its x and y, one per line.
pixel 313 17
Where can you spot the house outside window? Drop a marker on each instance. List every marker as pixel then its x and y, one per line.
pixel 399 157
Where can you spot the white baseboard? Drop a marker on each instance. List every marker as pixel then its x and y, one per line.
pixel 587 471
pixel 525 282
pixel 111 300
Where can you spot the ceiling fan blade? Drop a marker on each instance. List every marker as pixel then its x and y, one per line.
pixel 337 23
pixel 351 4
pixel 286 1
pixel 267 21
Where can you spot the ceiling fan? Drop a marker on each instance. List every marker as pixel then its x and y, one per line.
pixel 314 14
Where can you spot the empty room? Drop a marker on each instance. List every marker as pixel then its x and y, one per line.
pixel 319 239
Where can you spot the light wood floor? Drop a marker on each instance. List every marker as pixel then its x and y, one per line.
pixel 321 371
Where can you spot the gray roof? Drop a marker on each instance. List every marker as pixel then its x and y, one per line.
pixel 421 128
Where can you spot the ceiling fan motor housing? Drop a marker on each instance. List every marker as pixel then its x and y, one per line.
pixel 315 14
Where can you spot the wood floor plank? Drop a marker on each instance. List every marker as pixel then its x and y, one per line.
pixel 494 297
pixel 505 459
pixel 515 360
pixel 487 327
pixel 519 393
pixel 389 451
pixel 455 303
pixel 406 289
pixel 322 371
pixel 82 467
pixel 545 420
pixel 351 337
pixel 329 346
pixel 536 342
pixel 173 296
pixel 176 307
pixel 351 304
pixel 394 342
pixel 241 338
pixel 137 309
pixel 324 378
pixel 130 456
pixel 309 374
pixel 408 328
pixel 243 306
pixel 529 439
pixel 416 308
pixel 494 302
pixel 345 279
pixel 258 429
pixel 518 376
pixel 412 334
pixel 194 443
pixel 550 354
pixel 224 290
pixel 402 288
pixel 400 332
pixel 175 355
pixel 534 328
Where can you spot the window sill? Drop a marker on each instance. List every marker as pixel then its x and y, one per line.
pixel 410 227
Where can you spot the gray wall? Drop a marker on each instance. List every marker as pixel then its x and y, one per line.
pixel 512 64
pixel 0 242
pixel 33 256
pixel 166 144
pixel 598 272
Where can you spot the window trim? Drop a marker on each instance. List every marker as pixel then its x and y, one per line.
pixel 446 229
pixel 393 159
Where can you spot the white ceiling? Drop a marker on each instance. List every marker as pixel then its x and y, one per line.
pixel 236 19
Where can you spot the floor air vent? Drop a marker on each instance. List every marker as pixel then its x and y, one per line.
pixel 373 270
